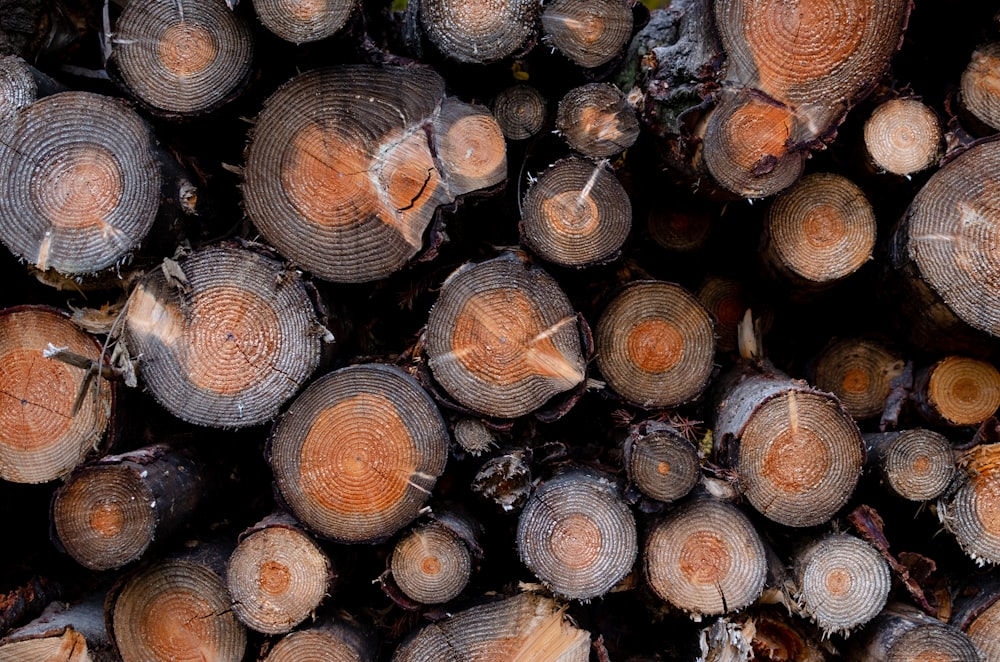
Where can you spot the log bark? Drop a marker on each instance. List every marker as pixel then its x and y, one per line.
pixel 356 455
pixel 590 33
pixel 916 464
pixel 303 22
pixel 64 632
pixel 596 120
pixel 903 136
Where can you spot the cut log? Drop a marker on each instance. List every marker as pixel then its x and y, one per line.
pixel 179 59
pixel 521 111
pixel 977 613
pixel 726 300
pixel 176 609
pixel 224 336
pixel 503 338
pixel 79 183
pixel 357 454
pixel 705 558
pixel 797 451
pixel 522 628
pixel 21 85
pixel 589 32
pixel 109 512
pixel 767 634
pixel 661 462
pixel 431 564
pixel 27 601
pixel 656 344
pixel 842 582
pixel 302 22
pixel 979 93
pixel 53 414
pixel 64 633
pixel 329 640
pixel 972 510
pixel 680 227
pixel 901 632
pixel 342 177
pixel 903 137
pixel 818 232
pixel 596 120
pixel 482 31
pixel 958 390
pixel 577 535
pixel 576 214
pixel 917 464
pixel 859 371
pixel 277 575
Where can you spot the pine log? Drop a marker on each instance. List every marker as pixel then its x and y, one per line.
pixel 903 136
pixel 347 165
pixel 797 451
pixel 431 564
pixel 818 232
pixel 977 613
pixel 302 22
pixel 978 91
pixel 726 299
pixel 590 33
pixel 224 335
pixel 706 558
pixel 79 183
pixel 21 85
pixel 523 628
pixel 502 338
pixel 62 633
pixel 179 59
pixel 957 391
pixel 916 464
pixel 860 372
pixel 596 120
pixel 971 511
pixel 842 582
pixel 176 608
pixel 53 414
pixel 576 214
pixel 109 511
pixel 330 640
pixel 660 461
pixel 656 344
pixel 472 435
pixel 902 632
pixel 481 31
pixel 356 455
pixel 520 110
pixel 577 535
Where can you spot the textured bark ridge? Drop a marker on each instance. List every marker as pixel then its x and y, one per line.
pixel 348 165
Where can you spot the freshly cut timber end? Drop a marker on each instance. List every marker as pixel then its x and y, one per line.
pixel 903 136
pixel 964 391
pixel 662 463
pixel 597 121
pixel 705 558
pixel 327 641
pixel 431 564
pixel 41 438
pixel 656 345
pixel 980 85
pixel 950 234
pixel 357 454
pixel 182 58
pixel 577 535
pixel 301 21
pixel 588 32
pixel 820 231
pixel 79 183
pixel 972 512
pixel 347 166
pixel 576 214
pixel 224 336
pixel 918 464
pixel 800 457
pixel 480 31
pixel 859 371
pixel 520 110
pixel 524 627
pixel 843 582
pixel 503 338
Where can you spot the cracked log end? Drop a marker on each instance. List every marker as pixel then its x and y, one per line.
pixel 358 452
pixel 40 436
pixel 226 340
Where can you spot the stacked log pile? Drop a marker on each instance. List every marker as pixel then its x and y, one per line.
pixel 507 329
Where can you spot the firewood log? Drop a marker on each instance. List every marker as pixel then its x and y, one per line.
pixel 176 607
pixel 577 535
pixel 70 632
pixel 54 414
pixel 860 372
pixel 505 480
pixel 591 33
pixel 660 461
pixel 303 22
pixel 27 600
pixel 767 634
pixel 181 60
pixel 109 511
pixel 902 632
pixel 971 511
pixel 503 339
pixel 680 227
pixel 277 575
pixel 224 335
pixel 957 390
pixel 523 627
pixel 21 85
pixel 726 299
pixel 332 639
pixel 978 91
pixel 576 214
pixel 977 613
pixel 596 120
pixel 915 464
pixel 479 32
pixel 472 435
pixel 903 136
pixel 656 344
pixel 520 110
pixel 356 454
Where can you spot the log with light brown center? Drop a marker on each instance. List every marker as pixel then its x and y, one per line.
pixel 859 371
pixel 903 136
pixel 589 32
pixel 596 120
pixel 916 464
